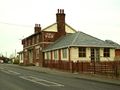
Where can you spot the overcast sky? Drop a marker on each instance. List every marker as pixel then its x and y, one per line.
pixel 99 18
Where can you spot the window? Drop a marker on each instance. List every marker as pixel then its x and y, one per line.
pixel 25 55
pixel 37 38
pixel 37 53
pixel 25 43
pixel 64 53
pixel 32 40
pixel 29 41
pixel 47 55
pixel 106 52
pixel 82 52
pixel 55 54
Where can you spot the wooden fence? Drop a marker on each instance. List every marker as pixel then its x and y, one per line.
pixel 104 68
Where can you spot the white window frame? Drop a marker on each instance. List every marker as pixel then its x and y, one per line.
pixel 55 55
pixel 64 53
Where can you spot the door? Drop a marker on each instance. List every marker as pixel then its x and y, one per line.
pixel 95 55
pixel 30 56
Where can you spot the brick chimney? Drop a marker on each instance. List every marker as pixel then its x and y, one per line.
pixel 37 28
pixel 60 19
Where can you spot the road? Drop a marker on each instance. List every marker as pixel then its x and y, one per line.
pixel 12 78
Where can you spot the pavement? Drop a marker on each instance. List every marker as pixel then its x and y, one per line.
pixel 90 77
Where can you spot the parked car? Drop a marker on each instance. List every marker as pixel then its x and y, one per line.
pixel 1 61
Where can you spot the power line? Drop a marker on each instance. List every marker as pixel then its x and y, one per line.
pixel 13 24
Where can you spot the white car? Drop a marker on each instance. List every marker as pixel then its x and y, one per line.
pixel 1 61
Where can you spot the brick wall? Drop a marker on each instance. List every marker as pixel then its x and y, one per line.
pixel 42 39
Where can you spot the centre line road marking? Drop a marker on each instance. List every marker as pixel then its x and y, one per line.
pixel 40 81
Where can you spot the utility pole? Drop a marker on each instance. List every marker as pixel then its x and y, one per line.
pixel 6 54
pixel 15 53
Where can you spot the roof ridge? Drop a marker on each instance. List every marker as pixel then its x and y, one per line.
pixel 75 37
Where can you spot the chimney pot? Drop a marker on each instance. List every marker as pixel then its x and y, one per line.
pixel 37 28
pixel 35 25
pixel 60 19
pixel 62 10
pixel 58 10
pixel 39 25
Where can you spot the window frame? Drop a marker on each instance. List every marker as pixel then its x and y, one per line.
pixel 106 52
pixel 48 55
pixel 55 55
pixel 64 53
pixel 82 51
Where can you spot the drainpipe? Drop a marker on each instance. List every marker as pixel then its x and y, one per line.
pixel 69 54
pixel 70 62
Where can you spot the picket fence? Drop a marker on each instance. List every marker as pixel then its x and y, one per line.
pixel 110 68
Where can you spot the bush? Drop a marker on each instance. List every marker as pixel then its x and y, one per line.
pixel 30 64
pixel 21 64
pixel 16 62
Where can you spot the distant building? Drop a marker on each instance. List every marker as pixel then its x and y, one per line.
pixel 20 57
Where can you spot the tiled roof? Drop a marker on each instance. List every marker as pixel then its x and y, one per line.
pixel 113 43
pixel 77 39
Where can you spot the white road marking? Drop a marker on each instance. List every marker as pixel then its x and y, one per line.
pixel 40 81
pixel 1 68
pixel 13 72
pixel 10 72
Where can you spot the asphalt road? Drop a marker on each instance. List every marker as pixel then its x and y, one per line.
pixel 12 78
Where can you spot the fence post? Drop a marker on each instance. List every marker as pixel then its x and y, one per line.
pixel 94 67
pixel 116 69
pixel 71 66
pixel 82 67
pixel 105 67
pixel 77 65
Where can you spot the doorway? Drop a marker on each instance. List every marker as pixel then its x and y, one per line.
pixel 30 56
pixel 95 54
